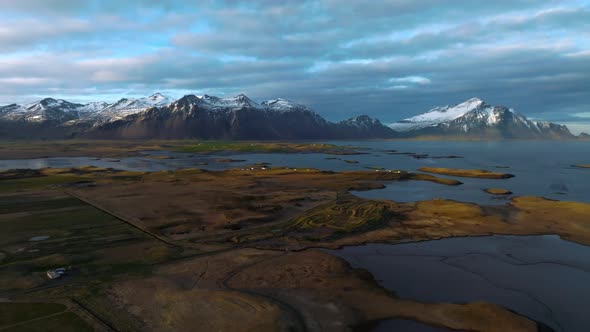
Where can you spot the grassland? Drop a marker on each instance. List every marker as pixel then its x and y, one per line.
pixel 25 317
pixel 73 234
pixel 176 249
pixel 113 149
pixel 498 191
pixel 262 147
pixel 470 173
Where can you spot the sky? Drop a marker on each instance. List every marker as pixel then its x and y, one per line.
pixel 390 59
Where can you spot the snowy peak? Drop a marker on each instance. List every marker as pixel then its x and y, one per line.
pixel 283 105
pixel 157 98
pixel 366 126
pixel 440 114
pixel 50 103
pixel 217 104
pixel 94 112
pixel 94 107
pixel 470 104
pixel 9 108
pixel 474 117
pixel 127 106
pixel 232 103
pixel 141 103
pixel 186 104
pixel 239 117
pixel 362 121
pixel 48 109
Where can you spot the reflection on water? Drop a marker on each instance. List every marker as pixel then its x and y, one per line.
pixel 542 168
pixel 542 277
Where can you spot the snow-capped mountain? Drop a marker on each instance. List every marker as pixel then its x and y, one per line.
pixel 283 105
pixel 127 106
pixel 439 115
pixel 65 112
pixel 93 107
pixel 237 102
pixel 48 109
pixel 237 117
pixel 475 118
pixel 240 117
pixel 365 126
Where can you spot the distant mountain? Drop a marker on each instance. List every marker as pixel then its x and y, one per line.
pixel 366 127
pixel 475 118
pixel 57 118
pixel 48 109
pixel 127 106
pixel 61 112
pixel 239 117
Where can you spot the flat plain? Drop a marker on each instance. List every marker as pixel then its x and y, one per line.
pixel 232 249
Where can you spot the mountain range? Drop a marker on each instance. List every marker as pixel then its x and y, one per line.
pixel 239 117
pixel 475 118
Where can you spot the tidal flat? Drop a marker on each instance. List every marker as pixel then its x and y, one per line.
pixel 243 242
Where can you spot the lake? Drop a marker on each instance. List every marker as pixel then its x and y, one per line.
pixel 542 168
pixel 542 277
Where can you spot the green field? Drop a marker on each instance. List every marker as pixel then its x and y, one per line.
pixel 73 234
pixel 21 317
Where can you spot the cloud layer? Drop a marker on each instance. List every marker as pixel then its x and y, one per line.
pixel 390 59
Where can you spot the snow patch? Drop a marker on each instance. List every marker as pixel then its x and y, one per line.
pixel 440 114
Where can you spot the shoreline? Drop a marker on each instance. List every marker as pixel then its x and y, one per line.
pixel 278 213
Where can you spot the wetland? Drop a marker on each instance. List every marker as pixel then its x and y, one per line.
pixel 253 230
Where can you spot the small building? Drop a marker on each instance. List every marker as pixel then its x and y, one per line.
pixel 56 273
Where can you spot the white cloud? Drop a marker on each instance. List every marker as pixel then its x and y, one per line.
pixel 585 115
pixel 419 80
pixel 390 59
pixel 578 127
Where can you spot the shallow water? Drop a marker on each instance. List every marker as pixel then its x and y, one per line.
pixel 39 238
pixel 542 277
pixel 542 168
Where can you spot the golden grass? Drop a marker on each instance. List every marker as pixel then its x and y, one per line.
pixel 471 173
pixel 570 220
pixel 498 191
pixel 345 215
pixel 281 208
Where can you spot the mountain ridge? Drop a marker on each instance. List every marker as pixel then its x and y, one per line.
pixel 475 118
pixel 239 117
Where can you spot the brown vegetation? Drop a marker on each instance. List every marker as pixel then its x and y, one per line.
pixel 216 282
pixel 498 191
pixel 469 173
pixel 260 290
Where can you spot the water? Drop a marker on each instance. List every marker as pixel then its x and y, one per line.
pixel 542 168
pixel 39 238
pixel 542 277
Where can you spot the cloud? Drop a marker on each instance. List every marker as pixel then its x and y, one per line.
pixel 390 59
pixel 584 115
pixel 411 79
